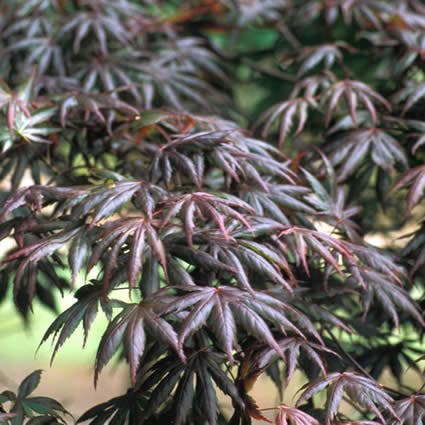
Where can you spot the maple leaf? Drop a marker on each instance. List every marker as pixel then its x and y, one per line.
pixel 84 311
pixel 410 411
pixel 98 24
pixel 15 102
pixel 359 389
pixel 288 111
pixel 114 236
pixel 364 12
pixel 352 92
pixel 129 327
pixel 224 307
pixel 311 56
pixel 197 377
pixel 202 205
pixel 291 347
pixel 350 149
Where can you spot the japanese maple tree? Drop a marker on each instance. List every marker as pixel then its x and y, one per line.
pixel 225 162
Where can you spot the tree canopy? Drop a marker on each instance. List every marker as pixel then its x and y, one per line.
pixel 226 164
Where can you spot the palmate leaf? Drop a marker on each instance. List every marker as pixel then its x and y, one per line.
pixel 304 242
pixel 306 248
pixel 201 258
pixel 114 74
pixel 365 12
pixel 381 278
pixel 353 93
pixel 280 202
pixel 30 18
pixel 14 102
pixel 410 411
pixel 189 149
pixel 114 235
pixel 391 297
pixel 409 43
pixel 41 50
pixel 312 86
pixel 291 416
pixel 38 282
pixel 360 390
pixel 262 260
pixel 30 255
pixel 177 85
pixel 34 128
pixel 84 311
pixel 189 156
pixel 98 202
pixel 175 391
pixel 287 111
pixel 350 149
pixel 378 260
pixel 193 53
pixel 129 327
pixel 203 206
pixel 241 260
pixel 36 197
pixel 225 307
pixel 292 347
pixel 119 410
pixel 311 56
pixel 75 106
pixel 100 24
pixel 185 157
pixel 101 201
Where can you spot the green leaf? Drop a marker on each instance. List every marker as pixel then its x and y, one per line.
pixel 29 384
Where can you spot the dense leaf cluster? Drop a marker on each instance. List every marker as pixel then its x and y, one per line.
pixel 124 164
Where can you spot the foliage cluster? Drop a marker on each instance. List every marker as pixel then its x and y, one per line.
pixel 125 165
